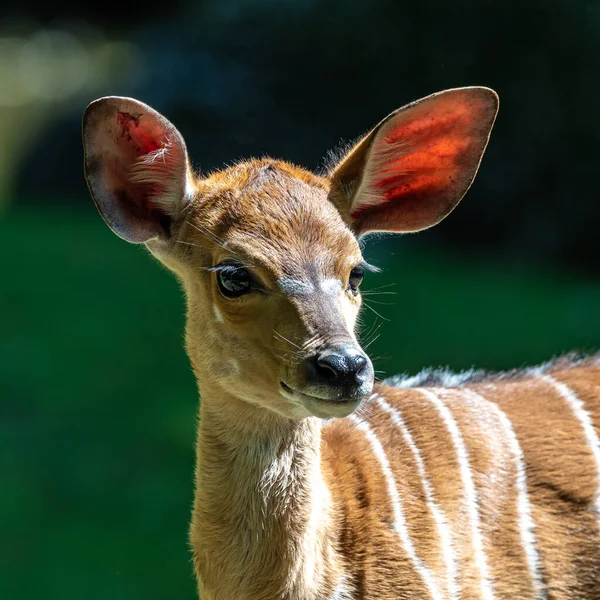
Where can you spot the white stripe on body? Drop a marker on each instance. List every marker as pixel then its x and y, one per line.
pixel 469 490
pixel 399 519
pixel 585 419
pixel 526 524
pixel 341 591
pixel 434 508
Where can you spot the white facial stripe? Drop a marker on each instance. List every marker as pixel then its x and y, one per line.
pixel 218 315
pixel 584 418
pixel 399 519
pixel 331 286
pixel 295 286
pixel 526 524
pixel 434 508
pixel 469 490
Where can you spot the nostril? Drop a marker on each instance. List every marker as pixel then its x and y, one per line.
pixel 328 367
pixel 360 364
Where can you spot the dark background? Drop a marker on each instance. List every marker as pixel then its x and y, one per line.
pixel 97 401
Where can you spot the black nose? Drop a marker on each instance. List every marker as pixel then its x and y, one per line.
pixel 340 366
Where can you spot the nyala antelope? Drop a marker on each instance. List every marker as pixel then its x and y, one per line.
pixel 440 486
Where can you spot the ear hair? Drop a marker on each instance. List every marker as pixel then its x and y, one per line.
pixel 153 169
pixel 136 167
pixel 335 155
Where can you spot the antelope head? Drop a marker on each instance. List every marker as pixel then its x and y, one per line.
pixel 268 253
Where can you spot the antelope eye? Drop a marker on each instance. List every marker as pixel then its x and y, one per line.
pixel 234 281
pixel 356 277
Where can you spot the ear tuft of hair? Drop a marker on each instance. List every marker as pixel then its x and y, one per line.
pixel 136 167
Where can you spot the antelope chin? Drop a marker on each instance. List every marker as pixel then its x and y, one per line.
pixel 322 408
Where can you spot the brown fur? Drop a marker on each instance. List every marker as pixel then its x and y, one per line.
pixel 562 479
pixel 356 524
pixel 379 505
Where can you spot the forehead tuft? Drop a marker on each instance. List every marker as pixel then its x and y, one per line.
pixel 279 212
pixel 251 172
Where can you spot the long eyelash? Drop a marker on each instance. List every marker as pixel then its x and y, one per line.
pixel 229 267
pixel 232 266
pixel 368 267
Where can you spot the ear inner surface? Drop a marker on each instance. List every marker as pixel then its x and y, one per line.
pixel 416 165
pixel 136 167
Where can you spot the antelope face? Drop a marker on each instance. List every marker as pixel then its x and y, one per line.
pixel 275 291
pixel 268 253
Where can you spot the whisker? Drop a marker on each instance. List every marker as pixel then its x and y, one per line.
pixel 365 411
pixel 373 334
pixel 284 339
pixel 296 356
pixel 373 293
pixel 195 246
pixel 309 341
pixel 211 236
pixel 381 287
pixel 381 303
pixel 187 243
pixel 286 359
pixel 206 231
pixel 371 308
pixel 380 357
pixel 371 330
pixel 375 338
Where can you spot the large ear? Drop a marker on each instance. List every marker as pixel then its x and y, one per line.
pixel 136 167
pixel 411 170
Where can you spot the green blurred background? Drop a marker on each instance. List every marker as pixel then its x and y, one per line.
pixel 97 401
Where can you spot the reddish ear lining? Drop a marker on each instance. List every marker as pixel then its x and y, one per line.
pixel 140 141
pixel 421 160
pixel 417 174
pixel 136 167
pixel 410 210
pixel 428 126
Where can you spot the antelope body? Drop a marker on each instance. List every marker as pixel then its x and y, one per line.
pixel 312 482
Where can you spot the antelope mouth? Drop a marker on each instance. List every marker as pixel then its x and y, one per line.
pixel 319 406
pixel 290 391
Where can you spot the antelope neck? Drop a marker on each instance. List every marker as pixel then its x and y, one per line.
pixel 261 503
